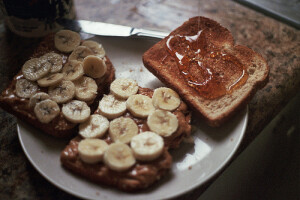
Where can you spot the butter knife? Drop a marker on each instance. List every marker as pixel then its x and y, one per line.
pixel 105 29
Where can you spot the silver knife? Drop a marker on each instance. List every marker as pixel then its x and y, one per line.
pixel 105 29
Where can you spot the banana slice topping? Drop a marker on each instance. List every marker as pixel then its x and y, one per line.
pixel 37 98
pixel 73 70
pixel 46 110
pixel 165 99
pixel 147 146
pixel 95 127
pixel 51 79
pixel 36 68
pixel 55 60
pixel 25 88
pixel 80 53
pixel 162 122
pixel 124 87
pixel 76 111
pixel 94 66
pixel 92 150
pixel 66 40
pixel 85 88
pixel 111 107
pixel 140 105
pixel 122 129
pixel 62 92
pixel 119 157
pixel 97 48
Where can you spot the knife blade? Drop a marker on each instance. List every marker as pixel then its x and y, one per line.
pixel 105 29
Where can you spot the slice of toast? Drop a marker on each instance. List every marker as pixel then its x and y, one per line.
pixel 143 173
pixel 59 126
pixel 215 46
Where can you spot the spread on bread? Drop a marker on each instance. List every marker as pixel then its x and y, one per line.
pixel 200 61
pixel 57 85
pixel 132 127
pixel 211 71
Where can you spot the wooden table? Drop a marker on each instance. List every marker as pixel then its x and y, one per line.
pixel 277 42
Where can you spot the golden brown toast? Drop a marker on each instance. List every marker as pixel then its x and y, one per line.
pixel 59 126
pixel 200 61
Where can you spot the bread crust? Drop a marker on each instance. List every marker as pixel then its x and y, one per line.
pixel 59 126
pixel 217 38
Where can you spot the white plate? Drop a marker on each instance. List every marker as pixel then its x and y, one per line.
pixel 193 164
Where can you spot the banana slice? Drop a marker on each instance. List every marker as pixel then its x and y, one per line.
pixel 76 111
pixel 147 146
pixel 73 70
pixel 92 150
pixel 62 92
pixel 36 68
pixel 162 122
pixel 25 88
pixel 80 53
pixel 140 105
pixel 55 60
pixel 165 99
pixel 95 127
pixel 37 98
pixel 46 110
pixel 122 129
pixel 124 87
pixel 119 157
pixel 94 66
pixel 51 79
pixel 66 40
pixel 111 107
pixel 85 89
pixel 97 48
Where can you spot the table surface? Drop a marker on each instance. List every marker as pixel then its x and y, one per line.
pixel 276 41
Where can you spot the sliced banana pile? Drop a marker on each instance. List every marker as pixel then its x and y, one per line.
pixel 63 82
pixel 128 145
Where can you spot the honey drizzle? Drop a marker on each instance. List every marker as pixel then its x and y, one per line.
pixel 191 54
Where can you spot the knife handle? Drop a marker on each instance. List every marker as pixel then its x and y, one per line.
pixel 148 33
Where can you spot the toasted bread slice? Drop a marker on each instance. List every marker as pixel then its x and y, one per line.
pixel 215 40
pixel 144 173
pixel 59 126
